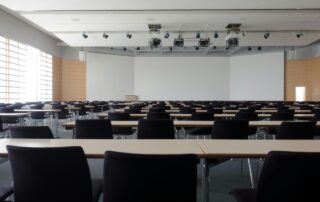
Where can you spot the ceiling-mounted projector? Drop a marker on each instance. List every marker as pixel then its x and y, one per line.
pixel 204 42
pixel 178 42
pixel 233 35
pixel 155 43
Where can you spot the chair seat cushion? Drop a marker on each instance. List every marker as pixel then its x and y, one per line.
pixel 5 192
pixel 244 194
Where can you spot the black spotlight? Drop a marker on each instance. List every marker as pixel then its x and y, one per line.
pixel 138 48
pixel 249 48
pixel 105 35
pixel 299 34
pixel 167 35
pixel 198 35
pixel 204 42
pixel 155 43
pixel 124 49
pixel 216 35
pixel 266 35
pixel 129 36
pixel 170 49
pixel 178 42
pixel 196 47
pixel 259 48
pixel 84 35
pixel 111 48
pixel 214 47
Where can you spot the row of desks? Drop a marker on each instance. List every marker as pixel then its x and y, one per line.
pixel 224 111
pixel 228 115
pixel 187 123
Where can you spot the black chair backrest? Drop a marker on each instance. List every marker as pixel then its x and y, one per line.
pixel 289 177
pixel 146 178
pixel 93 129
pixel 230 129
pixel 282 116
pixel 157 110
pixel 155 129
pixel 187 110
pixel 133 110
pixel 33 132
pixel 37 115
pixel 246 115
pixel 7 119
pixel 120 116
pixel 158 115
pixel 296 130
pixel 202 116
pixel 50 174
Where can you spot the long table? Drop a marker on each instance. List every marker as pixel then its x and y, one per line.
pixel 224 111
pixel 186 123
pixel 227 115
pixel 204 149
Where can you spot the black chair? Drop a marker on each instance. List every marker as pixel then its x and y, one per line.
pixel 155 129
pixel 187 110
pixel 2 130
pixel 5 192
pixel 157 110
pixel 133 110
pixel 35 132
pixel 296 130
pixel 158 115
pixel 249 115
pixel 7 119
pixel 230 129
pixel 280 116
pixel 93 129
pixel 51 175
pixel 146 178
pixel 285 177
pixel 200 116
pixel 120 116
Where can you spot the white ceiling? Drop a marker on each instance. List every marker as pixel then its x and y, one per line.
pixel 68 19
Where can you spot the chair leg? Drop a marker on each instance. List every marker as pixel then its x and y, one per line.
pixel 250 172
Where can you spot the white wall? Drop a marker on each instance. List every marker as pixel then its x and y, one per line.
pixel 13 28
pixel 257 77
pixel 109 77
pixel 182 78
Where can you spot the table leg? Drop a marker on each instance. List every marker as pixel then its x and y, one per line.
pixel 56 122
pixel 205 180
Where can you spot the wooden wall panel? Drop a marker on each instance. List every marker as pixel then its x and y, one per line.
pixel 56 78
pixel 302 73
pixel 73 80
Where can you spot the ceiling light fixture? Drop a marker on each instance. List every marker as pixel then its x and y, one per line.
pixel 155 43
pixel 166 35
pixel 178 42
pixel 138 48
pixel 105 35
pixel 198 35
pixel 299 35
pixel 129 36
pixel 259 48
pixel 124 49
pixel 196 47
pixel 214 47
pixel 84 35
pixel 266 35
pixel 170 49
pixel 249 48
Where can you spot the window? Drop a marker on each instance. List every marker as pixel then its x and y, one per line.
pixel 25 73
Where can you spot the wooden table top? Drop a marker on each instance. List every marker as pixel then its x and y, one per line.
pixel 255 148
pixel 37 110
pixel 14 114
pixel 187 123
pixel 97 148
pixel 229 115
pixel 202 148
